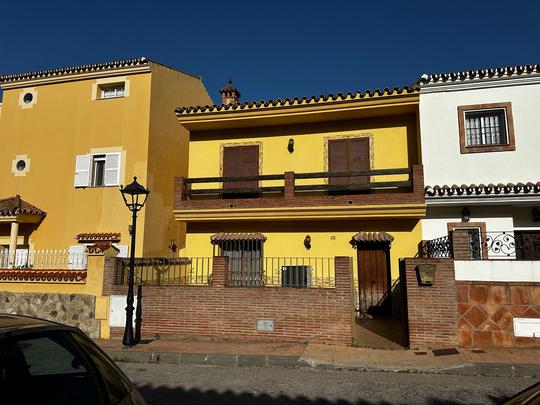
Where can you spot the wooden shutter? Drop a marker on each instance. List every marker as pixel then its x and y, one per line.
pixel 241 161
pixel 348 155
pixel 82 170
pixel 112 169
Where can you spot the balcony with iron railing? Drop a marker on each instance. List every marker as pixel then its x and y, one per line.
pixel 345 192
pixel 472 244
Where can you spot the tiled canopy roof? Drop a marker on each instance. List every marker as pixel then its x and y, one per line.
pixel 103 236
pixel 222 236
pixel 75 70
pixel 363 237
pixel 289 102
pixel 15 205
pixel 499 72
pixel 482 189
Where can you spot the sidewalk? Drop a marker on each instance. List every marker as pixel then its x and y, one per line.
pixel 487 362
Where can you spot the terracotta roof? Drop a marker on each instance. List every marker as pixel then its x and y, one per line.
pixel 75 70
pixel 478 74
pixel 372 237
pixel 482 189
pixel 289 102
pixel 103 236
pixel 222 236
pixel 15 205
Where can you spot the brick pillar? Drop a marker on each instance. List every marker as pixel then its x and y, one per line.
pixel 220 268
pixel 180 188
pixel 344 290
pixel 460 244
pixel 289 185
pixel 418 179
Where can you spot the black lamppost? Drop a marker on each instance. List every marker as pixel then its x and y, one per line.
pixel 133 194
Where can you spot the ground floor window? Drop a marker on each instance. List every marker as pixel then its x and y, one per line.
pixel 245 253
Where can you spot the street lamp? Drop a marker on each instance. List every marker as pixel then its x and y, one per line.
pixel 135 197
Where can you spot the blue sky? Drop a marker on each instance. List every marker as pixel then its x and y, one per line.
pixel 275 49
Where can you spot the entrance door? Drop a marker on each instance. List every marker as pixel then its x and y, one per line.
pixel 374 279
pixel 527 245
pixel 345 155
pixel 240 161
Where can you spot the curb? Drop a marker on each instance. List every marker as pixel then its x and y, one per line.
pixel 240 360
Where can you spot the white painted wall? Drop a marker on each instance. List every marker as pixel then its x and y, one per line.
pixel 443 162
pixel 497 218
pixel 497 270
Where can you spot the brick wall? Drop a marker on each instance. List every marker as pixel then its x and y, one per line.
pixel 487 309
pixel 431 310
pixel 309 314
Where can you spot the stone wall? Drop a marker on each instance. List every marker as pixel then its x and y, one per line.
pixel 70 309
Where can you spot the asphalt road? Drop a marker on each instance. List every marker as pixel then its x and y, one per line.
pixel 187 384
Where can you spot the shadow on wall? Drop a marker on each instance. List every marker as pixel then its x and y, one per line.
pixel 164 395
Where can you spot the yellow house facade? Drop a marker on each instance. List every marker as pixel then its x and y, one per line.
pixel 70 137
pixel 282 186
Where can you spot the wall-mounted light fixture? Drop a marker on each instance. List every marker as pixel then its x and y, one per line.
pixel 465 215
pixel 172 246
pixel 290 145
pixel 307 242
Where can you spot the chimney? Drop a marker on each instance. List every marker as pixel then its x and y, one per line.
pixel 229 94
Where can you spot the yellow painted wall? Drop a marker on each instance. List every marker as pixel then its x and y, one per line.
pixel 328 238
pixel 168 153
pixel 66 122
pixel 394 146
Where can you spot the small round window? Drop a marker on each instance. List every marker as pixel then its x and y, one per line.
pixel 27 98
pixel 21 165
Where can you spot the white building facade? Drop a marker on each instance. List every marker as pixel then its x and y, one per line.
pixel 480 140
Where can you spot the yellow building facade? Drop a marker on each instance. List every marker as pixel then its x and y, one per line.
pixel 296 197
pixel 70 137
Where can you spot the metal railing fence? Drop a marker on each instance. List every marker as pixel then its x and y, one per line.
pixel 298 272
pixel 46 259
pixel 195 271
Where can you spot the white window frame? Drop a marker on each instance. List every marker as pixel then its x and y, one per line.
pixel 114 90
pixel 112 163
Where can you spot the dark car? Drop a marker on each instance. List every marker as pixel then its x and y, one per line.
pixel 44 362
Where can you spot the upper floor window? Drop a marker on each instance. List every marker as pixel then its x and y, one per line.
pixel 486 128
pixel 97 170
pixel 112 90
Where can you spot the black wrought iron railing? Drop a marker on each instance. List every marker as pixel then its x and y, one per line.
pixel 298 272
pixel 168 271
pixel 472 244
pixel 437 248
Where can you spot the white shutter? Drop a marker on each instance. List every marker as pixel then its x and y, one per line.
pixel 112 169
pixel 82 170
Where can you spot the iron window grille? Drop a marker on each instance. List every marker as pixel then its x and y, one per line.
pixel 486 127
